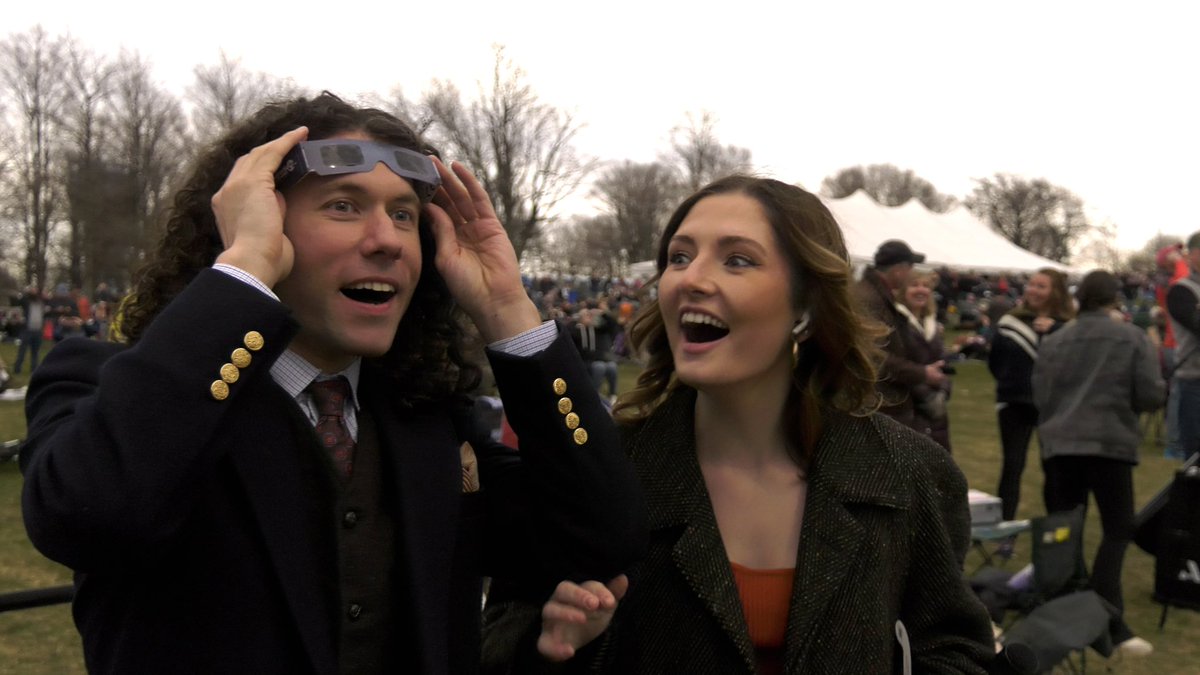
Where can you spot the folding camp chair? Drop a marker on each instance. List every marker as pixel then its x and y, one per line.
pixel 1057 615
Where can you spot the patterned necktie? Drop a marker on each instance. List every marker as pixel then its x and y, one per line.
pixel 330 397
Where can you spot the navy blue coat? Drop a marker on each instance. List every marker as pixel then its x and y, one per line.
pixel 202 531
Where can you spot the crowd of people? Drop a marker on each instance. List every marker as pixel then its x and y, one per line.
pixel 776 494
pixel 36 317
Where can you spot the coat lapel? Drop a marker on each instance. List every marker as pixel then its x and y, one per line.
pixel 850 468
pixel 664 453
pixel 297 529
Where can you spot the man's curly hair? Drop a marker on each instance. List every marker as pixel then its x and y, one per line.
pixel 427 355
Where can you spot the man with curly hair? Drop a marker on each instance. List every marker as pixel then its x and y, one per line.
pixel 278 471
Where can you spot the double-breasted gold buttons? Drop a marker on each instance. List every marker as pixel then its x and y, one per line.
pixel 564 405
pixel 580 436
pixel 219 390
pixel 572 420
pixel 560 386
pixel 230 373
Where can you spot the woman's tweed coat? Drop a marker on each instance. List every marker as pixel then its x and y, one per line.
pixel 886 527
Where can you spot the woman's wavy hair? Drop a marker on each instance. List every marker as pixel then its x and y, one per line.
pixel 427 357
pixel 1059 306
pixel 836 366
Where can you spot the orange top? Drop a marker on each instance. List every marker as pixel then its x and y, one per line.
pixel 765 596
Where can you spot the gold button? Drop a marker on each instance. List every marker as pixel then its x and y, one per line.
pixel 580 436
pixel 253 340
pixel 240 357
pixel 229 373
pixel 219 390
pixel 564 405
pixel 572 420
pixel 560 386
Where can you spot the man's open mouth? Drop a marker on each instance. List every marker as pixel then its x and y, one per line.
pixel 370 292
pixel 699 327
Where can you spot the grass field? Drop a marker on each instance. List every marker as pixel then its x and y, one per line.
pixel 44 640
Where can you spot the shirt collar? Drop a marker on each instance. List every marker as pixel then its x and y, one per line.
pixel 294 374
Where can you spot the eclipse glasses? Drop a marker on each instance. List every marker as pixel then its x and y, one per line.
pixel 341 156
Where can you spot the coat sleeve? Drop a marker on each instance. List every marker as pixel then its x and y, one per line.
pixel 1182 306
pixel 119 439
pixel 1149 390
pixel 1042 379
pixel 948 627
pixel 568 504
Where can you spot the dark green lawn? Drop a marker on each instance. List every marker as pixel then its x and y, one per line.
pixel 44 640
pixel 34 640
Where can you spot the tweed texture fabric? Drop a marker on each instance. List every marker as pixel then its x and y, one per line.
pixel 885 531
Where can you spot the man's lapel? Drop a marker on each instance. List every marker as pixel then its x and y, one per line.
pixel 283 479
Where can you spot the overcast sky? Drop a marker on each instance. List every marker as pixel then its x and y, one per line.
pixel 1099 98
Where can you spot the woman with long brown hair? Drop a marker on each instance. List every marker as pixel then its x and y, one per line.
pixel 1045 306
pixel 792 530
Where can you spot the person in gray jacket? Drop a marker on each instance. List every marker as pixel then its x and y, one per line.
pixel 1092 380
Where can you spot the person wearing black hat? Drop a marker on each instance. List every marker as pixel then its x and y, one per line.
pixel 902 369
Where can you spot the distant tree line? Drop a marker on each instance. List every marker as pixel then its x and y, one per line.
pixel 89 148
pixel 90 145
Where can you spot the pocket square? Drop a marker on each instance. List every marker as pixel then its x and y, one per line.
pixel 470 468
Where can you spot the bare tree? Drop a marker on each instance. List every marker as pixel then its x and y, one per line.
pixel 887 185
pixel 521 147
pixel 1095 248
pixel 1159 242
pixel 414 113
pixel 226 93
pixel 1144 259
pixel 88 191
pixel 1033 214
pixel 32 75
pixel 582 245
pixel 151 147
pixel 700 156
pixel 638 198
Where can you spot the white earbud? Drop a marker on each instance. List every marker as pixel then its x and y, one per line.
pixel 802 325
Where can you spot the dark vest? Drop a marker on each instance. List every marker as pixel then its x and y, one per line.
pixel 366 540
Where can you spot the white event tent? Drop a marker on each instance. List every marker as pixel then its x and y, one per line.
pixel 955 239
